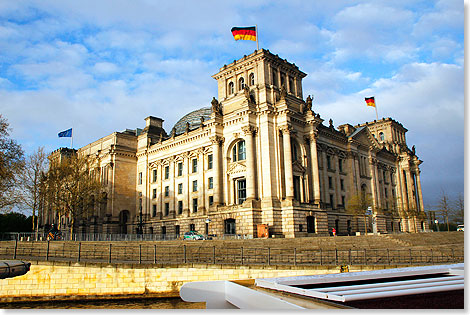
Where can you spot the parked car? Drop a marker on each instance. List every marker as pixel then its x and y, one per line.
pixel 460 227
pixel 193 235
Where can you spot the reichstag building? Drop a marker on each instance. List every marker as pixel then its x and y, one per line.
pixel 258 157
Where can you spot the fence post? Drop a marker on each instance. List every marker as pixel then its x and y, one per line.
pixel 241 252
pixel 336 256
pixel 213 255
pixel 140 253
pixel 79 251
pixel 184 252
pixel 295 256
pixel 388 255
pixel 154 253
pixel 16 248
pixel 110 253
pixel 350 258
pixel 365 256
pixel 321 257
pixel 47 253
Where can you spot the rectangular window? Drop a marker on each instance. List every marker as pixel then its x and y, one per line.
pixel 343 200
pixel 195 205
pixel 241 190
pixel 180 169
pixel 340 165
pixel 180 207
pixel 328 162
pixel 167 208
pixel 330 182
pixel 154 210
pixel 211 182
pixel 163 231
pixel 167 191
pixel 194 165
pixel 341 182
pixel 194 185
pixel 211 200
pixel 209 162
pixel 154 193
pixel 167 172
pixel 192 227
pixel 180 189
pixel 177 230
pixel 332 201
pixel 154 173
pixel 140 178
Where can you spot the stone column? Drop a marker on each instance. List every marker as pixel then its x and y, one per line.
pixel 200 183
pixel 315 171
pixel 250 163
pixel 419 192
pixel 217 165
pixel 289 176
pixel 172 212
pixel 372 164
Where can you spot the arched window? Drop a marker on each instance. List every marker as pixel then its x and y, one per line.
pixel 381 136
pixel 241 84
pixel 239 151
pixel 230 88
pixel 251 79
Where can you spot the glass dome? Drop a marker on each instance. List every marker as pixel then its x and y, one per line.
pixel 194 119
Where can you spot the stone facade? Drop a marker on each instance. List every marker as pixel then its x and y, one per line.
pixel 258 155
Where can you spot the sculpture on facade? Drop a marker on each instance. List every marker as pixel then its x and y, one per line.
pixel 216 106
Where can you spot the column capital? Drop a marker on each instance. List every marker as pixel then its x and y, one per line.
pixel 217 140
pixel 249 130
pixel 313 136
pixel 286 129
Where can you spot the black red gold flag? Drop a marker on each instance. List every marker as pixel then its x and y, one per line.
pixel 244 33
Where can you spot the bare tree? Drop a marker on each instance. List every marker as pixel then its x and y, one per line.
pixel 459 210
pixel 31 182
pixel 357 205
pixel 73 188
pixel 444 207
pixel 11 164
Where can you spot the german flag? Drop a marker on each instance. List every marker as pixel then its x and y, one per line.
pixel 370 101
pixel 244 33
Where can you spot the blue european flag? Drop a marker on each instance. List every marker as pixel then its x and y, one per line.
pixel 66 133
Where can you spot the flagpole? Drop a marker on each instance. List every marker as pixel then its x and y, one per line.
pixel 71 140
pixel 257 44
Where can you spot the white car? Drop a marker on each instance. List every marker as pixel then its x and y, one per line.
pixel 460 227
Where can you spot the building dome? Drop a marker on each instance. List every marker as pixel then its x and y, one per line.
pixel 194 120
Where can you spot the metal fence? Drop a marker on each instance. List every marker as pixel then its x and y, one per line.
pixel 101 252
pixel 98 237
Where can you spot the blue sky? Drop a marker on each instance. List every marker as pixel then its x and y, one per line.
pixel 103 66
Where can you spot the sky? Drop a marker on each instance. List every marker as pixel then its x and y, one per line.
pixel 103 66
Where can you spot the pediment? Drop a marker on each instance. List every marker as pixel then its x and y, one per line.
pixel 297 167
pixel 365 137
pixel 236 167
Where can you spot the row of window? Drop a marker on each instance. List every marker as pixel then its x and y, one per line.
pixel 241 84
pixel 166 170
pixel 210 184
pixel 179 207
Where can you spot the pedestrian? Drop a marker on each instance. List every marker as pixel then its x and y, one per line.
pixel 334 232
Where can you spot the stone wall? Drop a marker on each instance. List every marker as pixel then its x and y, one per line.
pixel 63 281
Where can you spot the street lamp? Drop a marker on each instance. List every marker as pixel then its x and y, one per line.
pixel 437 223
